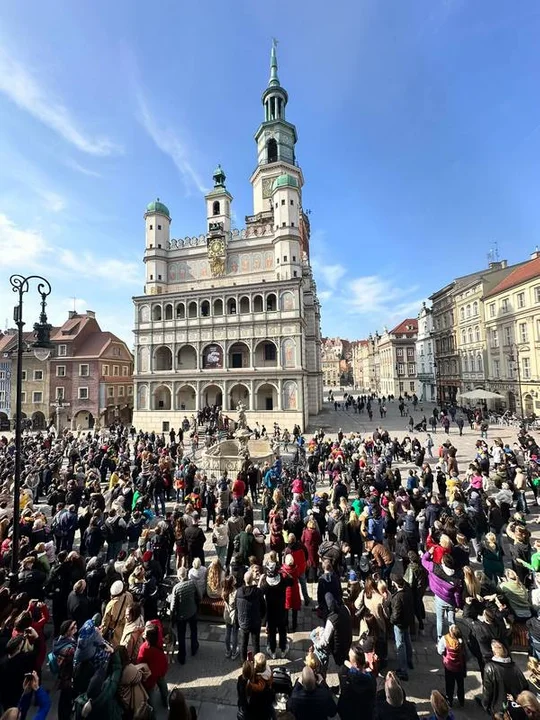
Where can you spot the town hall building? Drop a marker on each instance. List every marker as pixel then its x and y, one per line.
pixel 232 316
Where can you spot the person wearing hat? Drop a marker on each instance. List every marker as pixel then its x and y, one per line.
pixel 114 618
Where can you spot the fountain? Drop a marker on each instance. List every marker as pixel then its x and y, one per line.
pixel 232 454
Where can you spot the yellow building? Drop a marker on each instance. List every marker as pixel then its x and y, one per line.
pixel 512 325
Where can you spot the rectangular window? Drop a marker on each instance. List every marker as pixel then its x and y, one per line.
pixel 411 386
pixel 520 300
pixel 401 369
pixel 37 397
pixel 270 351
pixel 121 391
pixel 2 398
pixel 165 426
pixel 399 353
pixel 23 397
pixel 494 338
pixel 2 374
pixel 60 393
pixel 23 374
pixel 110 391
pixel 84 370
pixel 105 370
pixel 538 330
pixel 116 351
pixel 412 369
pixel 38 374
pixel 526 368
pixel 115 370
pixel 159 227
pixel 83 393
pixel 60 371
pixel 492 310
pixel 497 368
pixel 523 333
pixel 505 307
pixel 283 202
pixel 130 390
pixel 62 350
pixel 401 387
pixel 507 335
pixel 537 294
pixel 125 370
pixel 410 353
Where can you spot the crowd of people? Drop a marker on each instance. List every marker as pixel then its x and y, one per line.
pixel 345 543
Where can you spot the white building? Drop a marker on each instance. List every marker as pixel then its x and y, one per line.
pixel 232 316
pixel 427 383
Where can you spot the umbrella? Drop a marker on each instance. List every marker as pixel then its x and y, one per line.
pixel 480 394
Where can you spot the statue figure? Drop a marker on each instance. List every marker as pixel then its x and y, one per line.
pixel 242 421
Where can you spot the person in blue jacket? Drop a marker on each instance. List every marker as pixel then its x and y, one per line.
pixel 33 694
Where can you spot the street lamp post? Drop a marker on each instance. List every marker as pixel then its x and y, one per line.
pixel 42 347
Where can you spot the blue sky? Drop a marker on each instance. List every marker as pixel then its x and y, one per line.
pixel 418 124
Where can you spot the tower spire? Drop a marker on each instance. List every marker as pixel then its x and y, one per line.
pixel 274 80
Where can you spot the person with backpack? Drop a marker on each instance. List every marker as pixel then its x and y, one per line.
pixel 115 528
pixel 60 661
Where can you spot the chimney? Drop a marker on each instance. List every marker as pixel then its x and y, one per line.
pixel 495 265
pixel 72 314
pixel 536 254
pixel 91 314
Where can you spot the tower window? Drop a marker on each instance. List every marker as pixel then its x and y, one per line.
pixel 284 258
pixel 295 274
pixel 292 202
pixel 283 202
pixel 159 227
pixel 292 224
pixel 151 227
pixel 271 150
pixel 159 277
pixel 215 208
pixel 276 205
pixel 151 277
pixel 294 258
pixel 283 224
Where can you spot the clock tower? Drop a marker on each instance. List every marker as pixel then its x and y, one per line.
pixel 276 139
pixel 218 214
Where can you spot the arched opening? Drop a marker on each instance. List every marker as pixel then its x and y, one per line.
pixel 162 398
pixel 142 397
pixel 258 304
pixel 192 309
pixel 212 357
pixel 266 397
pixel 244 304
pixel 271 303
pixel 238 394
pixel 212 395
pixel 38 421
pixel 4 421
pixel 231 306
pixel 163 359
pixel 205 308
pixel 83 420
pixel 528 404
pixel 168 312
pixel 239 356
pixel 266 354
pixel 215 207
pixel 218 307
pixel 156 312
pixel 271 151
pixel 511 402
pixel 180 311
pixel 287 301
pixel 185 398
pixel 144 314
pixel 187 358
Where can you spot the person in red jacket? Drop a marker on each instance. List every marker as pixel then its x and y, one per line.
pixel 238 488
pixel 299 552
pixel 292 593
pixel 153 655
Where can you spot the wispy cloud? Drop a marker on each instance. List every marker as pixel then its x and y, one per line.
pixel 19 85
pixel 86 265
pixel 383 299
pixel 20 248
pixel 171 144
pixel 74 165
pixel 52 201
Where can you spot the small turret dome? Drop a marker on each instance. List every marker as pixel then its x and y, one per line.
pixel 285 180
pixel 158 207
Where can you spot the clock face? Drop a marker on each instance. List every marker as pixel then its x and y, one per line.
pixel 217 247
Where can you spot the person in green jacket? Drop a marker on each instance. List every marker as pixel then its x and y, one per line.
pixel 102 695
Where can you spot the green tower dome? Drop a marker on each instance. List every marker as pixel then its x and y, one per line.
pixel 158 207
pixel 284 180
